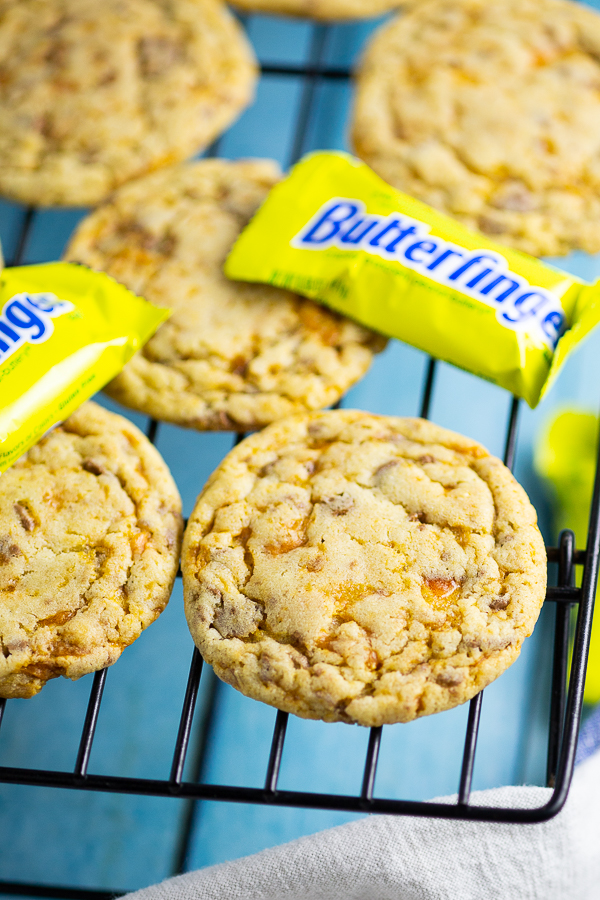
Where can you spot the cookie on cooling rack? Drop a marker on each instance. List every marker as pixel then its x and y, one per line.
pixel 90 529
pixel 95 93
pixel 327 10
pixel 489 110
pixel 233 355
pixel 357 568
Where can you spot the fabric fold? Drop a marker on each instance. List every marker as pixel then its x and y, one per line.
pixel 404 858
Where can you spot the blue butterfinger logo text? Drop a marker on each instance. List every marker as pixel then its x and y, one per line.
pixel 27 319
pixel 481 274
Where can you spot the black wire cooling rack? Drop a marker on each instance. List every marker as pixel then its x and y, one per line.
pixel 567 686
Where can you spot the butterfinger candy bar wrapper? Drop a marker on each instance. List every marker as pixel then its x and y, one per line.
pixel 337 233
pixel 65 331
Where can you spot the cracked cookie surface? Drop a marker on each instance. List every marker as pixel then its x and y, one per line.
pixel 233 355
pixel 90 530
pixel 95 93
pixel 489 110
pixel 358 568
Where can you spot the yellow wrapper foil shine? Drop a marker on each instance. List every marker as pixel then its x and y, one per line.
pixel 336 232
pixel 65 331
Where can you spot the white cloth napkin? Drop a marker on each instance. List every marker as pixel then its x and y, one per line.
pixel 402 858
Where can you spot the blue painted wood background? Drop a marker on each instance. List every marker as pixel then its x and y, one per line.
pixel 111 841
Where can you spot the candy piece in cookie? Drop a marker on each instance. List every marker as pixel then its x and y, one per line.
pixel 90 530
pixel 351 567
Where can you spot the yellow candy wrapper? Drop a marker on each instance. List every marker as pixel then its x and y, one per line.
pixel 565 455
pixel 336 232
pixel 65 331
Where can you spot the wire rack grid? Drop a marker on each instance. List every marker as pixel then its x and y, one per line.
pixel 567 679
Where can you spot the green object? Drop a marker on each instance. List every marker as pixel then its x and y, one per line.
pixel 65 331
pixel 336 232
pixel 566 457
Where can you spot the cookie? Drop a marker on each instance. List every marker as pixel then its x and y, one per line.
pixel 489 110
pixel 357 568
pixel 90 529
pixel 321 9
pixel 95 93
pixel 233 355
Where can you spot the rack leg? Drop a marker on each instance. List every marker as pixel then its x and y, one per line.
pixel 561 656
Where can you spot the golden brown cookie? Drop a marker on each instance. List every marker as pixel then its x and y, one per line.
pixel 489 110
pixel 357 568
pixel 321 9
pixel 233 355
pixel 90 529
pixel 95 93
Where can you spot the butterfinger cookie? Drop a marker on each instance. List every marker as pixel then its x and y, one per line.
pixel 233 355
pixel 90 528
pixel 489 110
pixel 95 93
pixel 357 568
